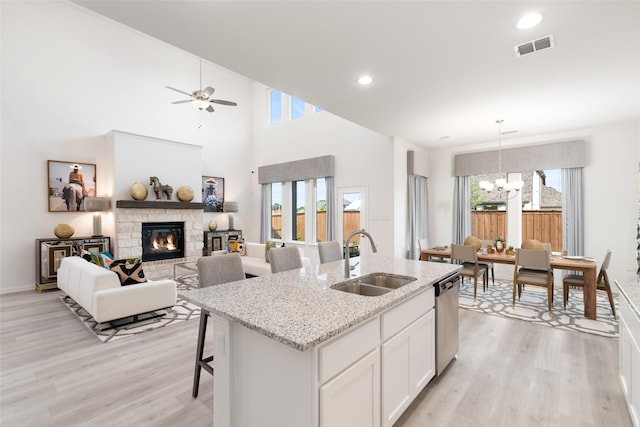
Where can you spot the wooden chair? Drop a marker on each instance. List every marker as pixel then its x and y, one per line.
pixel 424 244
pixel 602 283
pixel 468 257
pixel 213 270
pixel 488 266
pixel 284 258
pixel 532 267
pixel 330 251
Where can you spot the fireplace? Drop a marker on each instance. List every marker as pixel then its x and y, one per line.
pixel 162 240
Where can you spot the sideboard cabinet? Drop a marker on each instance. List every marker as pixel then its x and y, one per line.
pixel 217 240
pixel 50 252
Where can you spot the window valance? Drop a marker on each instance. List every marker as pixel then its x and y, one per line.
pixel 298 170
pixel 559 155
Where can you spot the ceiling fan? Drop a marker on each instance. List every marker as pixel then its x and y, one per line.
pixel 201 99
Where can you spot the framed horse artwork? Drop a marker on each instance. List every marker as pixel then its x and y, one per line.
pixel 68 185
pixel 213 194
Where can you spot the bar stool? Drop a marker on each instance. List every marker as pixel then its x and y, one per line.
pixel 213 270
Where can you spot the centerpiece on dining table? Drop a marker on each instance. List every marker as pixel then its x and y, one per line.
pixel 500 245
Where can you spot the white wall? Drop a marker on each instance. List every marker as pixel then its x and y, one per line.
pixel 69 77
pixel 611 210
pixel 362 158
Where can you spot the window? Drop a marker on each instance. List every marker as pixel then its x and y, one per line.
pixel 321 210
pixel 297 108
pixel 298 212
pixel 540 216
pixel 276 210
pixel 275 107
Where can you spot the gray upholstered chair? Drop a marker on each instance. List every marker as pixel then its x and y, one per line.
pixel 213 270
pixel 330 251
pixel 532 267
pixel 602 282
pixel 468 257
pixel 284 258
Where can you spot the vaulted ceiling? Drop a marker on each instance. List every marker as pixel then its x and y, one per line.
pixel 443 71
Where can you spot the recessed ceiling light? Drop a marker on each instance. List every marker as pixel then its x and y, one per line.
pixel 529 20
pixel 365 80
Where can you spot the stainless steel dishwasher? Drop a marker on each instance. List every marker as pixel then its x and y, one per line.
pixel 446 291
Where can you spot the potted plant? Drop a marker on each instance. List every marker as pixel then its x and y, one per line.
pixel 511 250
pixel 490 249
pixel 500 243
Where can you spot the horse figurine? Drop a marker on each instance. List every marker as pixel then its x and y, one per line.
pixel 159 188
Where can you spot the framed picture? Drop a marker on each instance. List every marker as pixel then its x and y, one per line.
pixel 68 184
pixel 55 256
pixel 213 193
pixel 94 247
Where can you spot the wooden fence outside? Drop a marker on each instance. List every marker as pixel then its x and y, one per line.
pixel 351 222
pixel 545 226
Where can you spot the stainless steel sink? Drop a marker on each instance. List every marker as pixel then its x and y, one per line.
pixel 361 289
pixel 373 284
pixel 386 280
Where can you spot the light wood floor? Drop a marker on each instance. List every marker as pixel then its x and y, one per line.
pixel 53 372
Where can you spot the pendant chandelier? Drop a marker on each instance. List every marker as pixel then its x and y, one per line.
pixel 501 189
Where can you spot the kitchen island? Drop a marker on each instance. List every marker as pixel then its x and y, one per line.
pixel 290 350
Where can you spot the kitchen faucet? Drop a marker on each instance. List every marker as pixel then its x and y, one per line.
pixel 346 255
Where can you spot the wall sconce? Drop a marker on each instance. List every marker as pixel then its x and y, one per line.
pixel 230 207
pixel 97 205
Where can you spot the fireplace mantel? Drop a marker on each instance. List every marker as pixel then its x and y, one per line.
pixel 157 204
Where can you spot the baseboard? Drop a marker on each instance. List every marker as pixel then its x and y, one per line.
pixel 14 289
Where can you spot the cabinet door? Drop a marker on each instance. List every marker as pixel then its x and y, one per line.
pixel 352 398
pixel 408 363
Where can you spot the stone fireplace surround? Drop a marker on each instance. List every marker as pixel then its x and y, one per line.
pixel 130 215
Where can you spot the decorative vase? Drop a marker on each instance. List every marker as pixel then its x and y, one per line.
pixel 499 247
pixel 63 231
pixel 138 191
pixel 213 225
pixel 185 193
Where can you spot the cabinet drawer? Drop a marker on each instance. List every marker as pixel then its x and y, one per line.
pixel 347 349
pixel 399 317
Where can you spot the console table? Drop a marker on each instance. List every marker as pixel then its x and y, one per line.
pixel 50 252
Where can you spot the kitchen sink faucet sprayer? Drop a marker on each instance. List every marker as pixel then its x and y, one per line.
pixel 346 255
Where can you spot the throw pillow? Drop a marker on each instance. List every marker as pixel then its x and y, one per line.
pixel 241 247
pixel 268 245
pixel 129 271
pixel 232 246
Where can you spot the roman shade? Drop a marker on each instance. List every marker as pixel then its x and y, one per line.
pixel 559 155
pixel 298 170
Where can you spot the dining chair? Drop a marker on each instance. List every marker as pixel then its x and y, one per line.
pixel 532 244
pixel 468 257
pixel 602 282
pixel 330 251
pixel 424 244
pixel 532 267
pixel 212 270
pixel 487 265
pixel 284 258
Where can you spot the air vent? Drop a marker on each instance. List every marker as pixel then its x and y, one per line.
pixel 535 45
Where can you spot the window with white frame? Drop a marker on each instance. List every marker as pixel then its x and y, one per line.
pixel 293 108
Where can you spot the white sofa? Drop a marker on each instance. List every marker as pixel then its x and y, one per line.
pixel 99 292
pixel 253 261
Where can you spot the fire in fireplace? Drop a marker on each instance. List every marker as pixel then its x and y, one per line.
pixel 162 240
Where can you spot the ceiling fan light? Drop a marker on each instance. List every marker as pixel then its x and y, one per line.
pixel 200 104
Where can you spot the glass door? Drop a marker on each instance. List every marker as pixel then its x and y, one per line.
pixel 352 214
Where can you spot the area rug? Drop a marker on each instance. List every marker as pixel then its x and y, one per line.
pixel 123 328
pixel 532 307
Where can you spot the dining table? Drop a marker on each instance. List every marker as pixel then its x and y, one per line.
pixel 586 265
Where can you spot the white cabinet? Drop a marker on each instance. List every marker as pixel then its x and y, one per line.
pixel 352 398
pixel 408 357
pixel 630 359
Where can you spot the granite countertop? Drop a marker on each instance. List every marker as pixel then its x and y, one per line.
pixel 631 291
pixel 297 308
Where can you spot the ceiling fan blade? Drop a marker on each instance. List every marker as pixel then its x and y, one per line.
pixel 182 102
pixel 223 102
pixel 178 90
pixel 210 109
pixel 207 91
